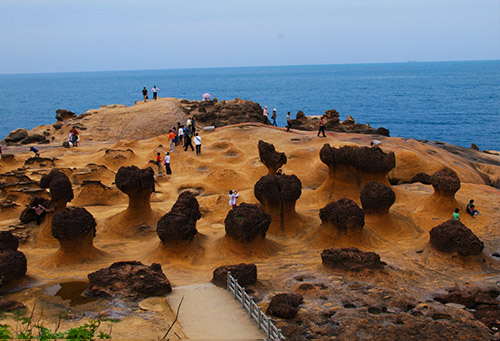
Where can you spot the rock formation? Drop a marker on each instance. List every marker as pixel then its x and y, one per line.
pixel 94 192
pixel 179 225
pixel 247 222
pixel 138 184
pixel 422 178
pixel 246 274
pixel 60 188
pixel 13 264
pixel 445 182
pixel 285 305
pixel 130 280
pixel 351 259
pixel 8 241
pixel 272 159
pixel 453 236
pixel 63 115
pixel 377 198
pixel 28 214
pixel 16 136
pixel 344 215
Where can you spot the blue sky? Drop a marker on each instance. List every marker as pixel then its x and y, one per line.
pixel 95 35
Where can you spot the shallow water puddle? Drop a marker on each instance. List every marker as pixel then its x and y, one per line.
pixel 72 291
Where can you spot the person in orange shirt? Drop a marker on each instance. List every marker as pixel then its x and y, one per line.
pixel 171 137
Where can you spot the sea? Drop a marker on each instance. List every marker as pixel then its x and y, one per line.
pixel 454 102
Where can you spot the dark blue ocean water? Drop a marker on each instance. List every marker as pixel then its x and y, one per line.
pixel 456 102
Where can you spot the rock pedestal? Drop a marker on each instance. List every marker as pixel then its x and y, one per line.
pixel 247 222
pixel 377 198
pixel 272 159
pixel 344 215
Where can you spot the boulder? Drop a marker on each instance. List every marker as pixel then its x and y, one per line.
pixel 137 183
pixel 376 197
pixel 73 223
pixel 247 222
pixel 60 188
pixel 129 280
pixel 33 138
pixel 445 182
pixel 246 274
pixel 272 159
pixel 350 259
pixel 63 115
pixel 278 193
pixel 474 146
pixel 343 214
pixel 57 125
pixel 8 241
pixel 28 214
pixel 422 178
pixel 13 265
pixel 16 136
pixel 285 305
pixel 453 236
pixel 365 159
pixel 180 223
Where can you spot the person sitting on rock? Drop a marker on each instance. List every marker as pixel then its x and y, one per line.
pixel 471 209
pixel 34 150
pixel 233 194
pixel 40 211
pixel 455 215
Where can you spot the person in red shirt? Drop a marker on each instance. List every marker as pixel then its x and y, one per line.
pixel 74 136
pixel 321 126
pixel 158 163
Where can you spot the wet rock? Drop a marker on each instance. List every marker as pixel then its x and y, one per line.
pixel 377 198
pixel 138 184
pixel 445 182
pixel 180 223
pixel 28 214
pixel 247 222
pixel 272 159
pixel 13 265
pixel 351 259
pixel 129 280
pixel 10 305
pixel 73 223
pixel 16 136
pixel 60 188
pixel 8 241
pixel 246 274
pixel 278 193
pixel 63 115
pixel 285 305
pixel 343 214
pixel 453 236
pixel 366 159
pixel 33 138
pixel 422 178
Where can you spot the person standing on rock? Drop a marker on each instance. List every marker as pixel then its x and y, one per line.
pixel 166 162
pixel 180 133
pixel 288 121
pixel 197 143
pixel 321 126
pixel 171 138
pixel 266 114
pixel 155 92
pixel 273 116
pixel 187 141
pixel 158 163
pixel 233 194
pixel 74 136
pixel 145 94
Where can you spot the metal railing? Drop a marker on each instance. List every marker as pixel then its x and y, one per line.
pixel 254 311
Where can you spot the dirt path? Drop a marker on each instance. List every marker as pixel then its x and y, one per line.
pixel 209 312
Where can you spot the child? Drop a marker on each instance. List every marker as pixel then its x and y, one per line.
pixel 471 209
pixel 455 215
pixel 158 163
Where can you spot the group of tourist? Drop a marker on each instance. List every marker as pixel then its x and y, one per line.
pixel 154 90
pixel 265 114
pixel 471 209
pixel 74 139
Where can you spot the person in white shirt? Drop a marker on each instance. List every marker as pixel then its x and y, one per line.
pixel 197 143
pixel 233 194
pixel 265 113
pixel 166 162
pixel 155 90
pixel 188 125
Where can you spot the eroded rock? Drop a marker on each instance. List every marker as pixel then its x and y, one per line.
pixel 8 241
pixel 377 198
pixel 343 214
pixel 60 188
pixel 453 236
pixel 247 222
pixel 73 223
pixel 246 274
pixel 445 182
pixel 138 184
pixel 13 265
pixel 272 159
pixel 63 115
pixel 285 305
pixel 351 259
pixel 278 194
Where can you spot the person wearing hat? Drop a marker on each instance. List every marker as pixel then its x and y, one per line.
pixel 266 114
pixel 166 162
pixel 273 116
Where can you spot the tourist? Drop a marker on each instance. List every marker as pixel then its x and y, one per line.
pixel 266 114
pixel 288 121
pixel 145 94
pixel 321 126
pixel 193 125
pixel 197 143
pixel 455 215
pixel 74 136
pixel 471 209
pixel 34 150
pixel 158 163
pixel 176 139
pixel 180 133
pixel 39 211
pixel 187 141
pixel 166 162
pixel 188 125
pixel 233 194
pixel 273 116
pixel 171 138
pixel 155 92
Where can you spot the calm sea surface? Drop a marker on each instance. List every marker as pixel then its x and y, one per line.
pixel 456 102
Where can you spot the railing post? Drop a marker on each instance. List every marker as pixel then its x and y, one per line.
pixel 228 280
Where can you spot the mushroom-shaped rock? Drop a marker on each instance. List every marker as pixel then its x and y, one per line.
pixel 278 193
pixel 8 241
pixel 351 259
pixel 344 214
pixel 366 159
pixel 138 184
pixel 285 305
pixel 247 222
pixel 72 223
pixel 180 223
pixel 377 198
pixel 59 186
pixel 445 182
pixel 13 265
pixel 246 274
pixel 272 159
pixel 453 236
pixel 29 214
pixel 130 280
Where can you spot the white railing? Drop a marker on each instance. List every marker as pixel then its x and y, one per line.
pixel 254 311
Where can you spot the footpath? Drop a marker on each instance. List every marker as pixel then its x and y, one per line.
pixel 210 312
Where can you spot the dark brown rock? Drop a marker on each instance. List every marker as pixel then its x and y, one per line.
pixel 61 191
pixel 453 236
pixel 247 222
pixel 28 214
pixel 376 197
pixel 16 135
pixel 366 159
pixel 33 138
pixel 272 159
pixel 278 193
pixel 62 114
pixel 285 305
pixel 246 274
pixel 13 265
pixel 10 305
pixel 72 223
pixel 180 223
pixel 138 184
pixel 351 259
pixel 8 241
pixel 344 214
pixel 422 178
pixel 57 125
pixel 218 114
pixel 129 280
pixel 445 182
